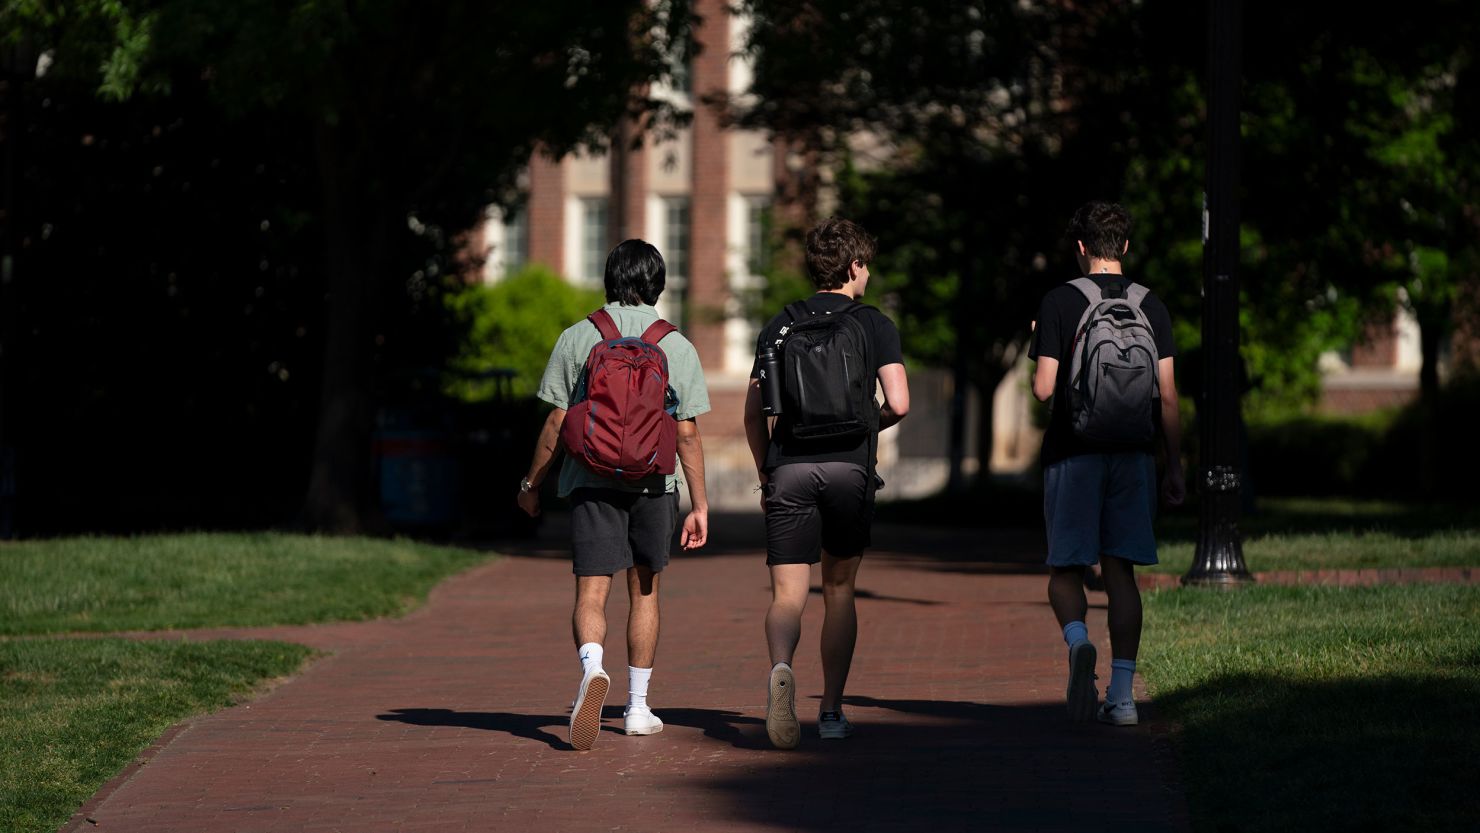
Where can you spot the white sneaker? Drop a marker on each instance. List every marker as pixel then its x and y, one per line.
pixel 1081 696
pixel 833 725
pixel 585 715
pixel 1118 714
pixel 640 720
pixel 781 710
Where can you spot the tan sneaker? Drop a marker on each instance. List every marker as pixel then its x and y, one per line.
pixel 585 715
pixel 781 709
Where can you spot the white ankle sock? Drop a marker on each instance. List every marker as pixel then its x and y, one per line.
pixel 590 655
pixel 637 686
pixel 1121 672
pixel 1075 633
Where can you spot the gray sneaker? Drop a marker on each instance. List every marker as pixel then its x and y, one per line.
pixel 1081 696
pixel 833 725
pixel 1118 714
pixel 781 708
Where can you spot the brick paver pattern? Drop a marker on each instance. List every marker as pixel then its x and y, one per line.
pixel 454 717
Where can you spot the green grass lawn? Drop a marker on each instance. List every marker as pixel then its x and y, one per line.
pixel 73 712
pixel 1319 708
pixel 1340 550
pixel 202 580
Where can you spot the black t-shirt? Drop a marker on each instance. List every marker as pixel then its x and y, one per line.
pixel 883 346
pixel 1058 320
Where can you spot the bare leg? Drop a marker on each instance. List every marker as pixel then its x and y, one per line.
pixel 839 625
pixel 790 584
pixel 1066 594
pixel 1125 607
pixel 642 620
pixel 588 623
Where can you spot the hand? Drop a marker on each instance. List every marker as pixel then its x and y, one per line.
pixel 765 479
pixel 1173 488
pixel 530 502
pixel 695 529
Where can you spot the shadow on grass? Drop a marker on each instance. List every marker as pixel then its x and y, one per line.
pixel 1262 753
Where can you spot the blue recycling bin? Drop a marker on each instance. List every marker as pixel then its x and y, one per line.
pixel 419 477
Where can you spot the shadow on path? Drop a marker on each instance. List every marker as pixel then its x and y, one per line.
pixel 530 726
pixel 951 765
pixel 714 723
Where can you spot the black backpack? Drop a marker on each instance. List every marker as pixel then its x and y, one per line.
pixel 828 374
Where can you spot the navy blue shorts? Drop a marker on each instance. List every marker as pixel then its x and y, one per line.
pixel 1100 504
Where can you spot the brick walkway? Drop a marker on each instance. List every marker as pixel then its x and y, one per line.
pixel 454 717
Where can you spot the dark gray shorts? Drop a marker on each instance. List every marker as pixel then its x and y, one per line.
pixel 815 506
pixel 611 530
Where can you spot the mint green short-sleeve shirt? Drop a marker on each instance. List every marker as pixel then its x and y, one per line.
pixel 563 373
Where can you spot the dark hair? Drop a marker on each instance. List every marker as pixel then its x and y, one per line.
pixel 635 273
pixel 1103 227
pixel 832 246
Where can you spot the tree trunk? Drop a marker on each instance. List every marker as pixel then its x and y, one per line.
pixel 1431 323
pixel 956 445
pixel 986 423
pixel 340 495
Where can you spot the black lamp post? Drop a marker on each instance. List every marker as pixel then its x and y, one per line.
pixel 1220 558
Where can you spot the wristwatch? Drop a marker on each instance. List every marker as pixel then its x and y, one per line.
pixel 525 486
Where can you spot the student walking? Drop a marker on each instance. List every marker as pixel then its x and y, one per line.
pixel 812 422
pixel 1105 356
pixel 627 390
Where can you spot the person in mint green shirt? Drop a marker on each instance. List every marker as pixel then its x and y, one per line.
pixel 621 525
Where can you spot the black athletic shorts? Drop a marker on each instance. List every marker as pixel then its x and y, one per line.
pixel 612 530
pixel 812 507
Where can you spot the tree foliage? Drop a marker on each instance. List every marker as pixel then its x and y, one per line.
pixel 391 126
pixel 990 121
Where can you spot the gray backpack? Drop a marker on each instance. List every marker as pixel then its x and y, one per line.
pixel 1113 387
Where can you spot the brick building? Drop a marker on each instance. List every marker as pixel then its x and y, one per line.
pixel 1379 371
pixel 700 196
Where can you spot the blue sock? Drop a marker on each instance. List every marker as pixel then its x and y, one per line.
pixel 1075 633
pixel 1121 671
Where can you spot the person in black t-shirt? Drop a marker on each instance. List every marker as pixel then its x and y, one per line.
pixel 1100 499
pixel 816 493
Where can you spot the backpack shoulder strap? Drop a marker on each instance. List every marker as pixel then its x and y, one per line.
pixel 1088 288
pixel 604 324
pixel 1136 294
pixel 797 310
pixel 654 333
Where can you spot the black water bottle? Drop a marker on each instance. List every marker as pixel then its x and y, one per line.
pixel 770 382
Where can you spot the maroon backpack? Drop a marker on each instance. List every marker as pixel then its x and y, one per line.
pixel 622 422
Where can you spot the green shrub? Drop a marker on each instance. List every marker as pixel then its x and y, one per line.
pixel 1371 455
pixel 512 325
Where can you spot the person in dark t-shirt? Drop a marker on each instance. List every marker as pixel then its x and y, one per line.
pixel 1100 498
pixel 817 494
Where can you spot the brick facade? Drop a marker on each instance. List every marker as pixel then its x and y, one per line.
pixel 547 212
pixel 1378 346
pixel 708 282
